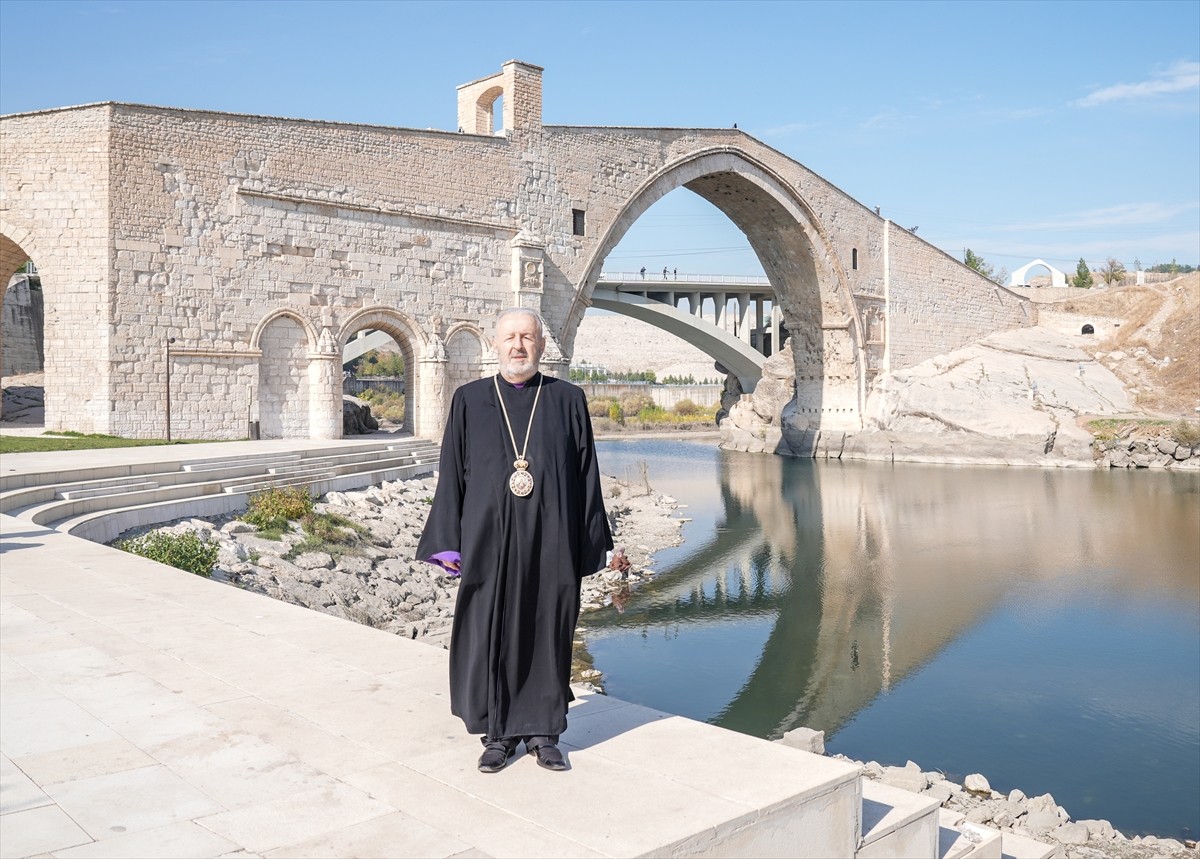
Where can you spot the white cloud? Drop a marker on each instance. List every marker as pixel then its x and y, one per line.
pixel 788 129
pixel 1181 77
pixel 1124 215
pixel 885 120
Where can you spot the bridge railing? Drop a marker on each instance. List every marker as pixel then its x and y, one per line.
pixel 657 277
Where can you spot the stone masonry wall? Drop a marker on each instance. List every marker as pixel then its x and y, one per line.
pixel 54 208
pixel 205 227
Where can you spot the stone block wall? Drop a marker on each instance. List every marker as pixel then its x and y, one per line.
pixel 149 223
pixel 1071 324
pixel 926 284
pixel 56 194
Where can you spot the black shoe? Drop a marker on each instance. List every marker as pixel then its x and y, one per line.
pixel 547 754
pixel 496 754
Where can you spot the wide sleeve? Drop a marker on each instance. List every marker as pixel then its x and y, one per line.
pixel 595 534
pixel 443 528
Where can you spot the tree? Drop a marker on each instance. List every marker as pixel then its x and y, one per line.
pixel 1083 275
pixel 975 261
pixel 376 363
pixel 1112 271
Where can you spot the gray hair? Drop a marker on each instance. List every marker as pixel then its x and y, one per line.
pixel 537 317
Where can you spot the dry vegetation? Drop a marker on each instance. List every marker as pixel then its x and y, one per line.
pixel 1159 340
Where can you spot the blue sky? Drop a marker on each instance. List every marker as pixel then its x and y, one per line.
pixel 1020 130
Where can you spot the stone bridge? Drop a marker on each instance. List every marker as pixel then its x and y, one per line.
pixel 263 245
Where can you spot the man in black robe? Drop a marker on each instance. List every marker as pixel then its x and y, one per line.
pixel 518 513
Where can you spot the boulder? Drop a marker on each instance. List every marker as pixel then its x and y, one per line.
pixel 356 416
pixel 977 784
pixel 806 739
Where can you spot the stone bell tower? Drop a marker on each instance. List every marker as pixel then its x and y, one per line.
pixel 519 84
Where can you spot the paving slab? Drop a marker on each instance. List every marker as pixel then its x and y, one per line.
pixel 147 711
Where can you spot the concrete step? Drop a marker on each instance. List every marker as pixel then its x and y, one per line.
pixel 106 491
pixel 262 460
pixel 897 824
pixel 280 482
pixel 958 838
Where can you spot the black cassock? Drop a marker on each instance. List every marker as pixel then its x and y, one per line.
pixel 522 557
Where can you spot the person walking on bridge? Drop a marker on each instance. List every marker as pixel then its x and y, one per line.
pixel 519 515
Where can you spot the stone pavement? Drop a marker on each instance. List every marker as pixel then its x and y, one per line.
pixel 148 712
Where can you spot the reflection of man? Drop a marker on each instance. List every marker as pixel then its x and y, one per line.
pixel 519 514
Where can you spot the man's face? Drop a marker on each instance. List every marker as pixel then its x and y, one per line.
pixel 518 347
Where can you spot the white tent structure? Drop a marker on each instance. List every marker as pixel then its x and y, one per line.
pixel 1057 278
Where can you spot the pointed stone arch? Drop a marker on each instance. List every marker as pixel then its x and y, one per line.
pixel 310 330
pixel 466 355
pixel 798 257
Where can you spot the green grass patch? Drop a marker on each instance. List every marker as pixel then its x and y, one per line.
pixel 330 533
pixel 81 441
pixel 1107 429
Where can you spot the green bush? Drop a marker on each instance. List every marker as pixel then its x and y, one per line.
pixel 385 405
pixel 598 407
pixel 615 413
pixel 686 407
pixel 272 509
pixel 631 404
pixel 183 551
pixel 651 414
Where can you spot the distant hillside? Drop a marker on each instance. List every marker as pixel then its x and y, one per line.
pixel 1156 351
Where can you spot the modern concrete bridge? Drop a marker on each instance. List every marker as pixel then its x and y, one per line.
pixel 735 319
pixel 150 712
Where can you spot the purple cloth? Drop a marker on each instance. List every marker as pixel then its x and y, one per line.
pixel 440 559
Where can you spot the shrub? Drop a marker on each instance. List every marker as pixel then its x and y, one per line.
pixel 272 509
pixel 1186 433
pixel 615 413
pixel 332 528
pixel 631 404
pixel 599 407
pixel 187 552
pixel 686 407
pixel 651 413
pixel 385 405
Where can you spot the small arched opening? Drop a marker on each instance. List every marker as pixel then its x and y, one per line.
pixel 464 355
pixel 379 362
pixel 1088 329
pixel 489 111
pixel 283 377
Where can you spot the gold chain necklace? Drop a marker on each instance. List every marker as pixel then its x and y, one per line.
pixel 520 482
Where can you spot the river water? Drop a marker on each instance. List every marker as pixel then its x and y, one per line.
pixel 1041 627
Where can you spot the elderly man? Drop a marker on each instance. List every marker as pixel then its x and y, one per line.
pixel 519 514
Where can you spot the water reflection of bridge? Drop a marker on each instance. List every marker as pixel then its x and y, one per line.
pixel 866 576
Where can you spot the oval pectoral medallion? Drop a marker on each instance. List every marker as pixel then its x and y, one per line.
pixel 520 482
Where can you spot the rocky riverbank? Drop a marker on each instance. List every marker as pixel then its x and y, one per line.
pixel 376 579
pixel 1037 817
